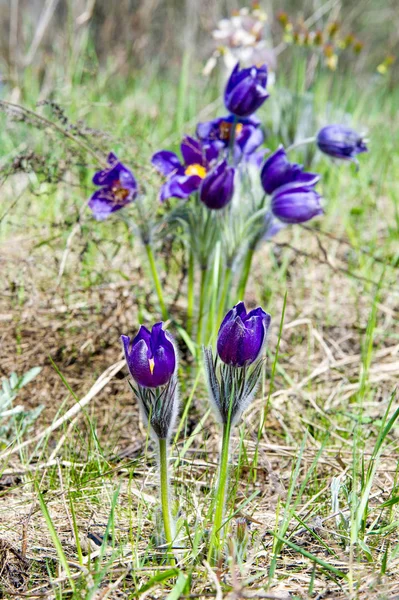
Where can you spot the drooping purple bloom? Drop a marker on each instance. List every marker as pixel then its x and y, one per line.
pixel 151 356
pixel 184 177
pixel 295 204
pixel 341 142
pixel 242 335
pixel 278 171
pixel 247 139
pixel 246 91
pixel 217 188
pixel 118 187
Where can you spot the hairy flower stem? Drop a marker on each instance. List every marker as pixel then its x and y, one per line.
pixel 242 285
pixel 303 142
pixel 204 273
pixel 164 477
pixel 228 275
pixel 190 293
pixel 156 280
pixel 220 499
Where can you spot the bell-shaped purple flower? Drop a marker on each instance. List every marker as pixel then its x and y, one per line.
pixel 295 204
pixel 217 188
pixel 246 91
pixel 242 335
pixel 184 177
pixel 341 142
pixel 118 187
pixel 278 171
pixel 151 356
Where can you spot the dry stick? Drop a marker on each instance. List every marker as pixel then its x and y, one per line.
pixel 215 581
pixel 341 240
pixel 14 202
pixel 13 40
pixel 101 382
pixel 44 21
pixel 22 109
pixel 68 245
pixel 324 262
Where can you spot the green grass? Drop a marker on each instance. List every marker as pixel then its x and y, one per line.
pixel 314 463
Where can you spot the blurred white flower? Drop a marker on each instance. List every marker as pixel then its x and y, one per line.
pixel 242 38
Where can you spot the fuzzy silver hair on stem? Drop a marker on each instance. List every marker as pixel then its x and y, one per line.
pixel 231 389
pixel 159 407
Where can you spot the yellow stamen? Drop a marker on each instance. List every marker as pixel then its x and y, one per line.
pixel 152 365
pixel 225 128
pixel 196 169
pixel 120 193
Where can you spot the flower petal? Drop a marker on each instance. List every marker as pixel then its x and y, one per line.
pixel 179 187
pixel 167 163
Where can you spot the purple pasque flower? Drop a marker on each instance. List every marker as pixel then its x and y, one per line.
pixel 184 177
pixel 245 90
pixel 151 356
pixel 295 203
pixel 217 188
pixel 242 335
pixel 278 171
pixel 118 187
pixel 341 142
pixel 247 139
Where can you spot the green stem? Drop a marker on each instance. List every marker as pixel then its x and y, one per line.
pixel 156 280
pixel 164 476
pixel 215 544
pixel 214 289
pixel 190 293
pixel 204 272
pixel 242 286
pixel 303 142
pixel 225 294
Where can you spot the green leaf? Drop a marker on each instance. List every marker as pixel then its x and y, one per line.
pixel 179 588
pixel 157 579
pixel 312 557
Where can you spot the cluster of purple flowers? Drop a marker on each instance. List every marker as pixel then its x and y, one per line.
pixel 152 359
pixel 205 166
pixel 209 161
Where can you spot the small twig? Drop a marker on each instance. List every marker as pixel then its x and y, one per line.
pixel 21 109
pixel 341 240
pixel 215 581
pixel 323 262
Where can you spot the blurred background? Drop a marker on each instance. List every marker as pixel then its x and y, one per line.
pixel 49 42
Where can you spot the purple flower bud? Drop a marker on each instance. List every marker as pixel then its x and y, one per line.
pixel 118 188
pixel 242 336
pixel 217 188
pixel 295 204
pixel 278 171
pixel 340 141
pixel 151 356
pixel 246 90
